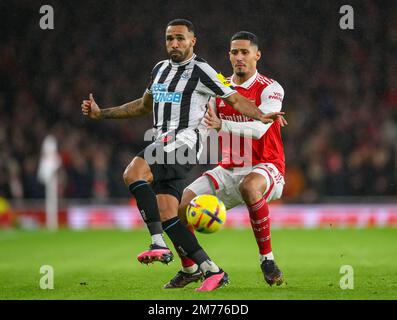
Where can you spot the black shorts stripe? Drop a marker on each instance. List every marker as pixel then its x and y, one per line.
pixel 168 106
pixel 156 105
pixel 198 142
pixel 184 113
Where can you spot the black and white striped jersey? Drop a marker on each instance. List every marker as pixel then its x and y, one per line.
pixel 180 93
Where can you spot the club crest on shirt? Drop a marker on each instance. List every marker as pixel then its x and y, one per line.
pixel 222 79
pixel 185 74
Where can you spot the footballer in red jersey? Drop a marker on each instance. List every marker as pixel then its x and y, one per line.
pixel 252 169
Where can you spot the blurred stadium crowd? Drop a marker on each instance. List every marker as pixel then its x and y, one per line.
pixel 340 89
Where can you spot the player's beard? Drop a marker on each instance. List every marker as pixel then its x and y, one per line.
pixel 179 57
pixel 240 73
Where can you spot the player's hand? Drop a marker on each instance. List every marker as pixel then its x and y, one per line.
pixel 282 121
pixel 212 121
pixel 272 116
pixel 90 108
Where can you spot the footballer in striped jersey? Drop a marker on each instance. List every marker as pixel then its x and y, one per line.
pixel 178 93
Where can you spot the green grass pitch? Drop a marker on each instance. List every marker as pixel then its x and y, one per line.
pixel 103 265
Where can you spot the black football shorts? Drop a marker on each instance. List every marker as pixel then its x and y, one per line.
pixel 169 177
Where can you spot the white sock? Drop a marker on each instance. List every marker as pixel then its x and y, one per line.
pixel 159 240
pixel 208 265
pixel 268 256
pixel 191 269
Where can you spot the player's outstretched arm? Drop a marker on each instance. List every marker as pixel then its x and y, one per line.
pixel 249 129
pixel 131 109
pixel 247 108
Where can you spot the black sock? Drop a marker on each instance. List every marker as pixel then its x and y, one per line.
pixel 184 241
pixel 147 205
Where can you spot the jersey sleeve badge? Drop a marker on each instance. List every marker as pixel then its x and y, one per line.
pixel 222 79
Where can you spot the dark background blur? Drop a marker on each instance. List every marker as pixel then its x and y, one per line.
pixel 340 89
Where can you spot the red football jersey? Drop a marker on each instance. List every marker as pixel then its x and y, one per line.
pixel 267 94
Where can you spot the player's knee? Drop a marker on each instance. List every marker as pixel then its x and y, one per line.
pixel 128 177
pixel 250 189
pixel 132 174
